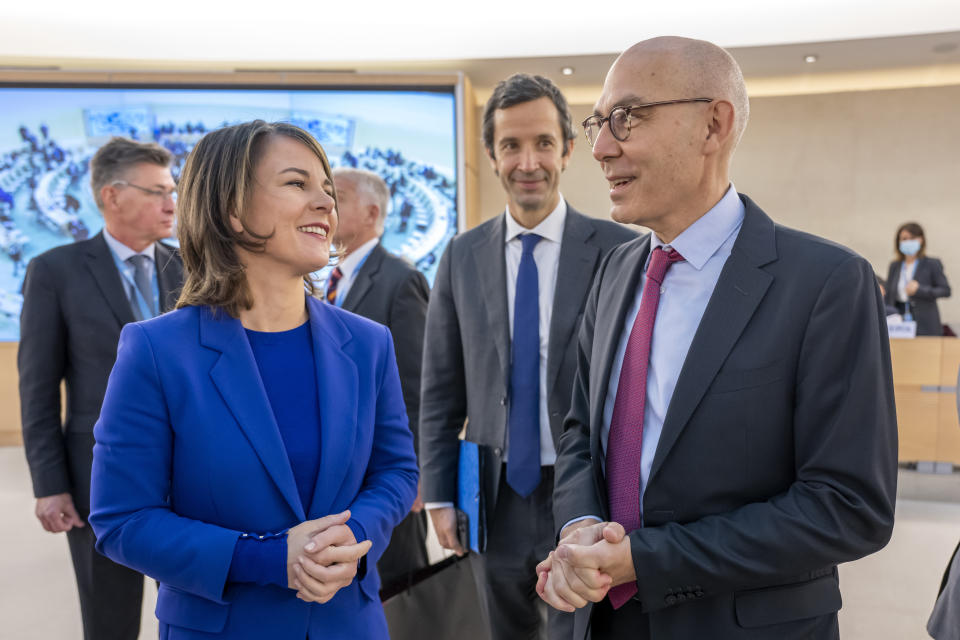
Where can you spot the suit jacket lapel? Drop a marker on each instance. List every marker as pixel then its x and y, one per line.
pixel 169 276
pixel 740 288
pixel 491 269
pixel 574 274
pixel 365 277
pixel 237 378
pixel 609 327
pixel 338 394
pixel 101 264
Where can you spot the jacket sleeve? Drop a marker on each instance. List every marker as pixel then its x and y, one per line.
pixel 408 320
pixel 390 481
pixel 131 483
pixel 41 361
pixel 840 505
pixel 575 493
pixel 443 399
pixel 936 286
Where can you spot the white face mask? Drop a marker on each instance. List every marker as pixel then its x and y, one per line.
pixel 910 247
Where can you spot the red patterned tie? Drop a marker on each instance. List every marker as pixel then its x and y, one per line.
pixel 626 425
pixel 335 276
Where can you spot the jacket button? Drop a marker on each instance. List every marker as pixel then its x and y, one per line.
pixel 498 452
pixel 670 599
pixel 503 401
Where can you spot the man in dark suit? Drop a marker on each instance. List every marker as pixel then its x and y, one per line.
pixel 500 350
pixel 385 288
pixel 733 408
pixel 76 298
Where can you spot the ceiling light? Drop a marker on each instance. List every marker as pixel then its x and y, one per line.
pixel 810 58
pixel 567 71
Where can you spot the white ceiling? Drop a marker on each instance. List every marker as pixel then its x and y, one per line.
pixel 323 31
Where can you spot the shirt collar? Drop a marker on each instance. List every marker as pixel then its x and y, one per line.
pixel 123 252
pixel 703 238
pixel 353 261
pixel 550 228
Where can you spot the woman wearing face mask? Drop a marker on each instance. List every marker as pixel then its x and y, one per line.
pixel 915 281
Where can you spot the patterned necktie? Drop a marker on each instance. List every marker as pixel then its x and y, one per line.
pixel 335 276
pixel 626 425
pixel 523 467
pixel 141 278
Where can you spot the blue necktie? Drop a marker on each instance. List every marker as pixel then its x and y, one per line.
pixel 523 467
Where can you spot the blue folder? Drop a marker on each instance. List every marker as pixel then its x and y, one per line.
pixel 468 493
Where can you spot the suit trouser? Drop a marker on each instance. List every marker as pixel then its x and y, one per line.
pixel 519 535
pixel 111 595
pixel 406 552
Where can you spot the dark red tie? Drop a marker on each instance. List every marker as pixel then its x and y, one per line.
pixel 626 425
pixel 335 276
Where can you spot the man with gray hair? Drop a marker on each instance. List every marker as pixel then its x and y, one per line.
pixel 76 299
pixel 385 288
pixel 732 436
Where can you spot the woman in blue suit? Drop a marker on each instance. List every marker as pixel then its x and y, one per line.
pixel 253 453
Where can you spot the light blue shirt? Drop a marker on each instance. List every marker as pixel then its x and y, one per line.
pixel 121 253
pixel 687 287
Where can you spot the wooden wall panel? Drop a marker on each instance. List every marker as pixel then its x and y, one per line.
pixel 9 395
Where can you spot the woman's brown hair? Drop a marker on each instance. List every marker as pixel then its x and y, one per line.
pixel 216 183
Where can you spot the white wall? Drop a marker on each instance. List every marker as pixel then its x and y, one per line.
pixel 847 166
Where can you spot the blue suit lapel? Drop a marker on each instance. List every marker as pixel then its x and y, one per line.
pixel 337 390
pixel 237 378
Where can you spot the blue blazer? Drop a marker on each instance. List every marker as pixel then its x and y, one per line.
pixel 189 456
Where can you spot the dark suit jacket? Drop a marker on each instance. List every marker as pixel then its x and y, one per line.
pixel 933 285
pixel 74 305
pixel 466 360
pixel 778 455
pixel 389 290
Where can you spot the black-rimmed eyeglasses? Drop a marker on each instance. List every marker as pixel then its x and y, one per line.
pixel 621 119
pixel 163 194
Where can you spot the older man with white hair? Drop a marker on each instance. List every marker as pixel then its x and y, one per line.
pixel 385 288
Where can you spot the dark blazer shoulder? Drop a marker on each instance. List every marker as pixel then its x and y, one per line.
pixel 628 250
pixel 68 254
pixel 606 233
pixel 813 248
pixel 480 232
pixel 395 263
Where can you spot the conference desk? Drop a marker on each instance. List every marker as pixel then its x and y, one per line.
pixel 925 386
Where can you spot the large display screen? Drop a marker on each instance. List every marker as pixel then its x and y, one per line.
pixel 49 134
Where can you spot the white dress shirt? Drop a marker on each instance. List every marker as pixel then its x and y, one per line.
pixel 349 267
pixel 907 271
pixel 547 256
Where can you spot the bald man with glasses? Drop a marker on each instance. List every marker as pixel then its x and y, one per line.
pixel 76 298
pixel 732 435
